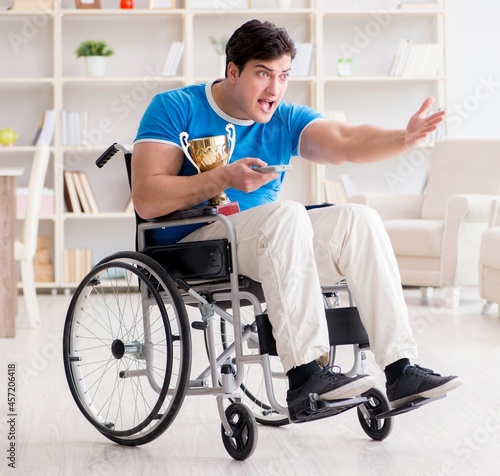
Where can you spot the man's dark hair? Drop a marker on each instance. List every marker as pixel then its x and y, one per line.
pixel 258 40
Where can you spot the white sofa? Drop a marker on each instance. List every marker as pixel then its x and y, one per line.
pixel 436 235
pixel 489 260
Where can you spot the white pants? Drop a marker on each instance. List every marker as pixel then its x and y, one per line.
pixel 292 251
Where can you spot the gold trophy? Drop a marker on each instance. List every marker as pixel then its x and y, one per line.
pixel 207 153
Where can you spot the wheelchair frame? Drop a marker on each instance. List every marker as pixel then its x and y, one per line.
pixel 224 377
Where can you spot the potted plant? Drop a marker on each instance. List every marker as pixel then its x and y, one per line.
pixel 94 53
pixel 219 45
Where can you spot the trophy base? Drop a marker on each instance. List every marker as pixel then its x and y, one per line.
pixel 228 208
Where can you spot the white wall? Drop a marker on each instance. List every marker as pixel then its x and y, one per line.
pixel 474 69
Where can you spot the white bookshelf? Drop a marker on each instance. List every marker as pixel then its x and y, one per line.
pixel 40 72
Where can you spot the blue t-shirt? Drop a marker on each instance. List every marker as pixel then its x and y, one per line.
pixel 192 109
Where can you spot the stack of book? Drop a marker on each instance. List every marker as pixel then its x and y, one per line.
pixel 339 190
pixel 47 202
pixel 302 64
pixel 77 263
pixel 173 59
pixel 78 194
pixel 416 60
pixel 74 127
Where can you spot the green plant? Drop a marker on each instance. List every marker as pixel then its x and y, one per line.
pixel 219 44
pixel 93 48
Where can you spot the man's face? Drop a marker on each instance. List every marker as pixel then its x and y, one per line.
pixel 260 88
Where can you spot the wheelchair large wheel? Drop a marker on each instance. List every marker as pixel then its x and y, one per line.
pixel 377 403
pixel 127 348
pixel 254 392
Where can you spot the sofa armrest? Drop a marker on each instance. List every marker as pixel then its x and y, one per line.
pixel 495 213
pixel 467 216
pixel 391 206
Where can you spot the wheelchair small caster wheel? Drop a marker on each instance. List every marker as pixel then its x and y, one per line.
pixel 377 403
pixel 241 444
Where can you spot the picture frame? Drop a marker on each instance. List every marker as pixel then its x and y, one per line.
pixel 158 4
pixel 88 3
pixel 222 4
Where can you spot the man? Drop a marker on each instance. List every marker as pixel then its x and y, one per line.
pixel 289 250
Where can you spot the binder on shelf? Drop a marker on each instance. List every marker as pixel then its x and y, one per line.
pixel 173 59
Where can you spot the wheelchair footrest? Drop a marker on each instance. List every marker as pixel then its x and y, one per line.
pixel 408 407
pixel 310 409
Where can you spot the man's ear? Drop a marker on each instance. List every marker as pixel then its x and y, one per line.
pixel 232 72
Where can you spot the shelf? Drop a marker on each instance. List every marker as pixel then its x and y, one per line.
pixel 46 75
pixel 98 216
pixel 119 12
pixel 120 79
pixel 381 78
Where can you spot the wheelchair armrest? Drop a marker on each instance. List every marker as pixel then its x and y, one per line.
pixel 191 213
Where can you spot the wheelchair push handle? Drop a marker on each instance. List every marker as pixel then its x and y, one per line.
pixel 109 152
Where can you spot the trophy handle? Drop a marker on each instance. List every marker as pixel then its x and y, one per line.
pixel 231 132
pixel 183 137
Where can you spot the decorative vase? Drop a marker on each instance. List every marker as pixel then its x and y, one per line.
pixel 127 4
pixel 285 4
pixel 96 65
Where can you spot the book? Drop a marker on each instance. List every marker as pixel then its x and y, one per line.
pixel 335 191
pixel 47 128
pixel 78 194
pixel 419 6
pixel 89 193
pixel 339 116
pixel 403 58
pixel 74 127
pixel 70 194
pixel 77 263
pixel 174 58
pixel 82 197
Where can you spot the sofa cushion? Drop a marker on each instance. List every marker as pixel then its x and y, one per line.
pixel 415 237
pixel 460 166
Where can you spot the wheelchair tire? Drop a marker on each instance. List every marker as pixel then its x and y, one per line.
pixel 377 403
pixel 253 387
pixel 242 443
pixel 127 348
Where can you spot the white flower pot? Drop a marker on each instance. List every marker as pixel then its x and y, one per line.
pixel 285 4
pixel 96 65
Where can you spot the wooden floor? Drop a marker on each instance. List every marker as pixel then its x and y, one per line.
pixel 459 435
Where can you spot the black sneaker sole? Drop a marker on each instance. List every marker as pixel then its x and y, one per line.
pixel 431 393
pixel 352 389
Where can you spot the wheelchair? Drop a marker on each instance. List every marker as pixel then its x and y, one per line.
pixel 127 341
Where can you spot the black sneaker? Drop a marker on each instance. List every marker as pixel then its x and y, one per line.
pixel 416 382
pixel 327 385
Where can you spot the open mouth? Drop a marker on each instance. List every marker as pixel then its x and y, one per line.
pixel 266 105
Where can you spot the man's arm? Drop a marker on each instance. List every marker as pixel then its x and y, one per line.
pixel 158 190
pixel 328 142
